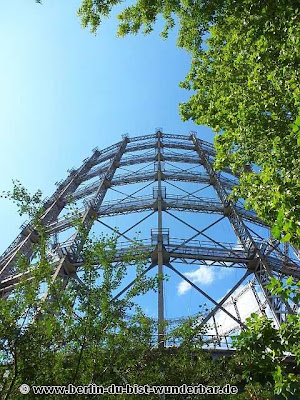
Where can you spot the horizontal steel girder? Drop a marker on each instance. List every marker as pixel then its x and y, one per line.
pixel 98 170
pixel 227 253
pixel 109 153
pixel 143 176
pixel 180 203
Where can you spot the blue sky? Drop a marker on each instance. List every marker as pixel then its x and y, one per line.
pixel 65 91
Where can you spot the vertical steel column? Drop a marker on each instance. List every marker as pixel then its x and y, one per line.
pixel 160 261
pixel 263 272
pixel 93 205
pixel 52 208
pixel 236 308
pixel 255 294
pixel 88 218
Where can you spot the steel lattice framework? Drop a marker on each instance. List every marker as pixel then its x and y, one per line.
pixel 162 161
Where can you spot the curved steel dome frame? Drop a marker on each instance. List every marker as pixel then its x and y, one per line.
pixel 173 159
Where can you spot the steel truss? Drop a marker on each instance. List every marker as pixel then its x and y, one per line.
pixel 170 160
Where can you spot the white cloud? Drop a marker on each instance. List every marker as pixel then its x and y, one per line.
pixel 183 287
pixel 206 274
pixel 203 275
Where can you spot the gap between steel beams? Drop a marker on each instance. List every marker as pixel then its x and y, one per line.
pixel 213 312
pixel 127 230
pixel 133 282
pixel 185 191
pixel 276 248
pixel 199 232
pixel 183 170
pixel 134 172
pixel 130 195
pixel 204 294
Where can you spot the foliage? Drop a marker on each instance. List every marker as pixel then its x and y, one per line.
pixel 76 333
pixel 82 334
pixel 27 204
pixel 264 350
pixel 245 80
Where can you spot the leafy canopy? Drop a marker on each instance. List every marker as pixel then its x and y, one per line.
pixel 245 80
pixel 265 350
